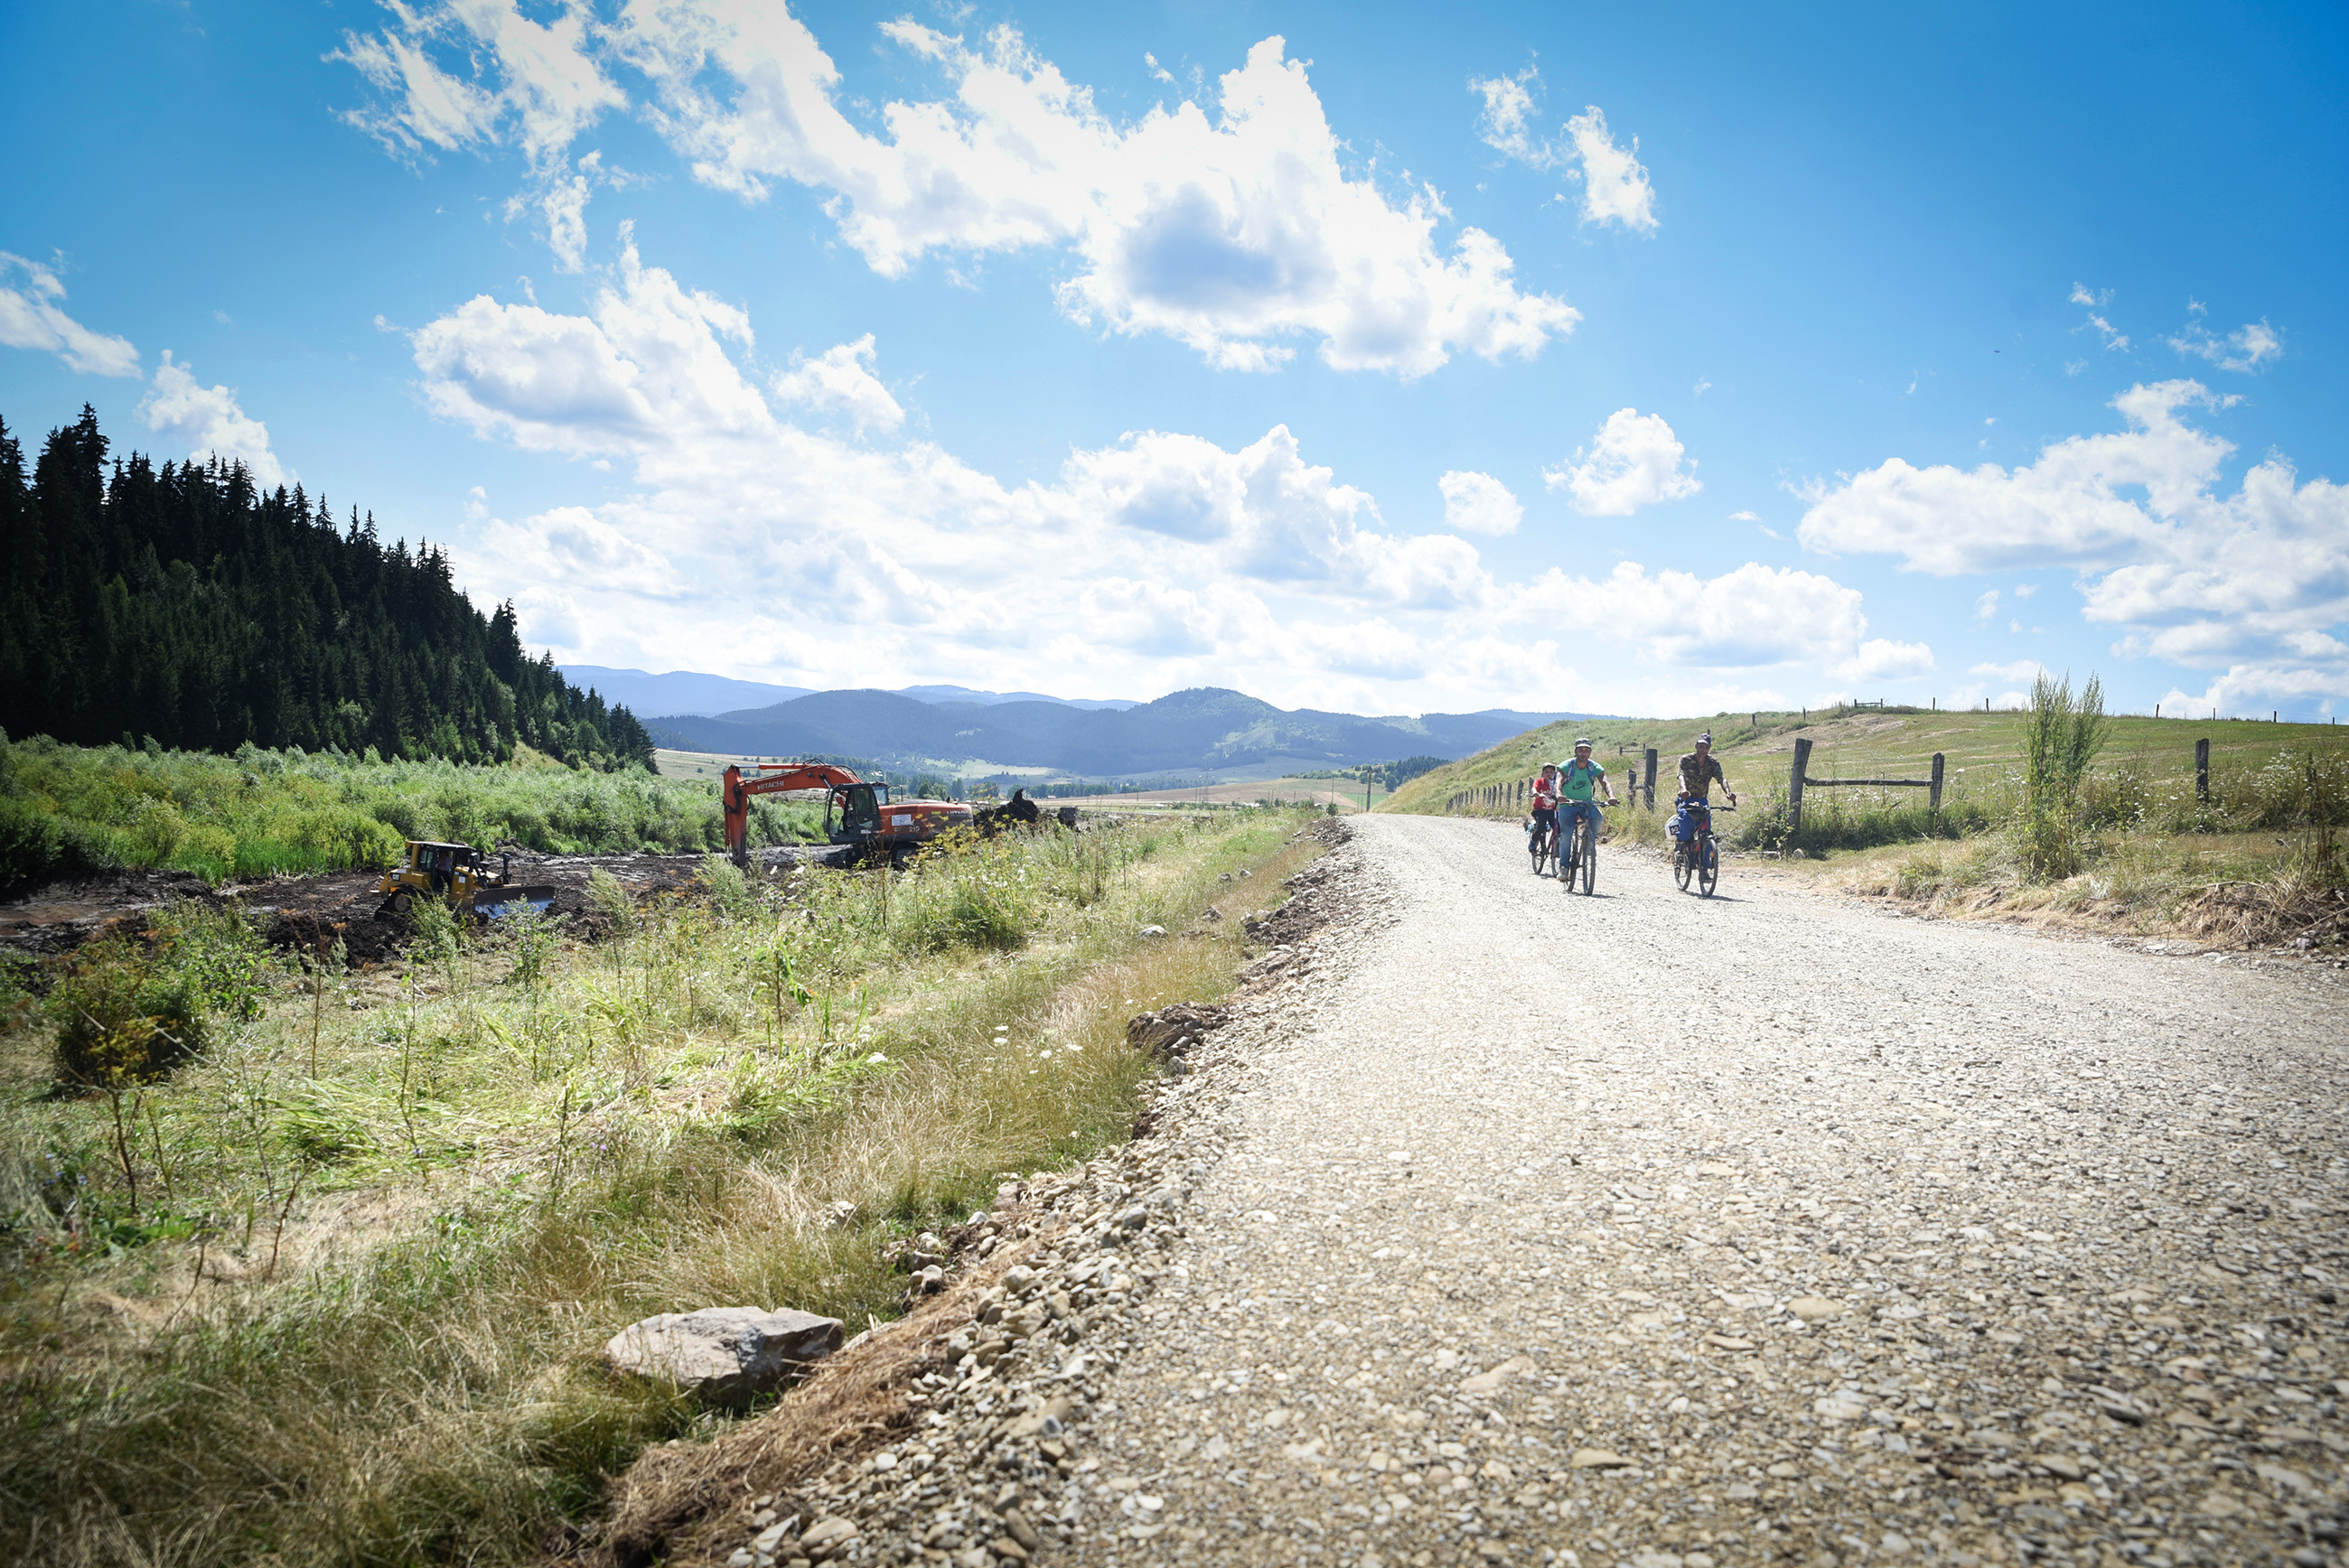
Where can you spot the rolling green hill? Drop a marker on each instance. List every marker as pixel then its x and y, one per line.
pixel 1756 750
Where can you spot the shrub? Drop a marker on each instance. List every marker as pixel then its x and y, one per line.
pixel 1850 819
pixel 124 1014
pixel 971 893
pixel 730 891
pixel 611 902
pixel 2061 738
pixel 35 844
pixel 67 809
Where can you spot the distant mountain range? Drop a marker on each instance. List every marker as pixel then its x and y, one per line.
pixel 1208 729
pixel 686 691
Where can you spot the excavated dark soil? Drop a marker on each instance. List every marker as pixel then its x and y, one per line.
pixel 305 912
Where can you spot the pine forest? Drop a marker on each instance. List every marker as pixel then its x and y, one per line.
pixel 183 604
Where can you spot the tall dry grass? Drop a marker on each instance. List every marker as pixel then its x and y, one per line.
pixel 354 1315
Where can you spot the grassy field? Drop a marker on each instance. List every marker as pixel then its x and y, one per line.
pixel 2254 863
pixel 1321 792
pixel 1982 749
pixel 711 766
pixel 70 809
pixel 317 1272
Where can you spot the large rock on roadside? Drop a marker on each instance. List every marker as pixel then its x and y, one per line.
pixel 723 1355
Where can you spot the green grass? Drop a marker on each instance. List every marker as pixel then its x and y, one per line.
pixel 67 809
pixel 2143 778
pixel 421 1198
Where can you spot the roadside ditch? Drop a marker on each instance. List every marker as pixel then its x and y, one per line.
pixel 961 1433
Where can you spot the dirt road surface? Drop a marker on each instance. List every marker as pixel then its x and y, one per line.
pixel 1673 1233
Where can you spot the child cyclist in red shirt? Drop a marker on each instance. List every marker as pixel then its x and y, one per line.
pixel 1545 803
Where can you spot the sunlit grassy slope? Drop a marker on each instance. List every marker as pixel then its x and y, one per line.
pixel 1757 749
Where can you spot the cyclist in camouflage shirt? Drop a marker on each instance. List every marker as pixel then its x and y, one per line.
pixel 1700 771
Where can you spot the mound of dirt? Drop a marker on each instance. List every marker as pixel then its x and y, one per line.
pixel 49 918
pixel 303 913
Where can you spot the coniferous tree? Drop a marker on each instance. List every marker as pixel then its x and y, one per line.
pixel 185 604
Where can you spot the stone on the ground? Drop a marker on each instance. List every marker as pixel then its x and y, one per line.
pixel 723 1355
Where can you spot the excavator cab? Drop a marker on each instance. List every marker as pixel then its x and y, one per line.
pixel 856 813
pixel 860 812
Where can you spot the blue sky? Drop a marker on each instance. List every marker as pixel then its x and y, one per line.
pixel 1392 360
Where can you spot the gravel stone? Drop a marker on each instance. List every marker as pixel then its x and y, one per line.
pixel 1773 1228
pixel 1770 1229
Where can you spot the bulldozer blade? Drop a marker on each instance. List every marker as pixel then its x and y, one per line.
pixel 498 902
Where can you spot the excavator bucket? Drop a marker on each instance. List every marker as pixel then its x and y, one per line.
pixel 492 903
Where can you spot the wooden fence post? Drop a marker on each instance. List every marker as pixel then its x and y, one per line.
pixel 1650 786
pixel 2203 771
pixel 1795 786
pixel 1936 783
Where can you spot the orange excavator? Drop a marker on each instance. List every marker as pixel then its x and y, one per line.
pixel 874 826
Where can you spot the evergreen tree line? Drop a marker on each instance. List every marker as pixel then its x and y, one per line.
pixel 182 603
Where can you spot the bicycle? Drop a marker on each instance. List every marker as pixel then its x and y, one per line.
pixel 1583 855
pixel 1698 858
pixel 1541 843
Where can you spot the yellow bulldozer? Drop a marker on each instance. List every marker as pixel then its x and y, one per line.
pixel 460 876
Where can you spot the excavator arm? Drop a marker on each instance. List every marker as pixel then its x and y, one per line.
pixel 739 787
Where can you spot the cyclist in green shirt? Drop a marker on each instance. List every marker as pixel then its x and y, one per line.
pixel 1576 780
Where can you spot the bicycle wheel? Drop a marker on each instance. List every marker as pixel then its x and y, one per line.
pixel 1708 870
pixel 1590 858
pixel 1683 866
pixel 1537 846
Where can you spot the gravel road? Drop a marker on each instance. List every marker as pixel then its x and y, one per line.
pixel 1650 1230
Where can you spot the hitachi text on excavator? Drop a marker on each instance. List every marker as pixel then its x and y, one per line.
pixel 856 813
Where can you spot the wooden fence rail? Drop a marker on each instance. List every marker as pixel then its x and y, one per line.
pixel 1798 779
pixel 1640 787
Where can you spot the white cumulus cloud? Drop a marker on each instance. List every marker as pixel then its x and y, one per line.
pixel 1755 617
pixel 1479 503
pixel 536 86
pixel 32 317
pixel 1158 561
pixel 502 79
pixel 1615 188
pixel 2255 582
pixel 2095 300
pixel 648 367
pixel 1615 184
pixel 2245 349
pixel 1633 461
pixel 1239 232
pixel 208 422
pixel 2065 510
pixel 840 381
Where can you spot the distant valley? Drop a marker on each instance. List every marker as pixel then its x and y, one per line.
pixel 1206 731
